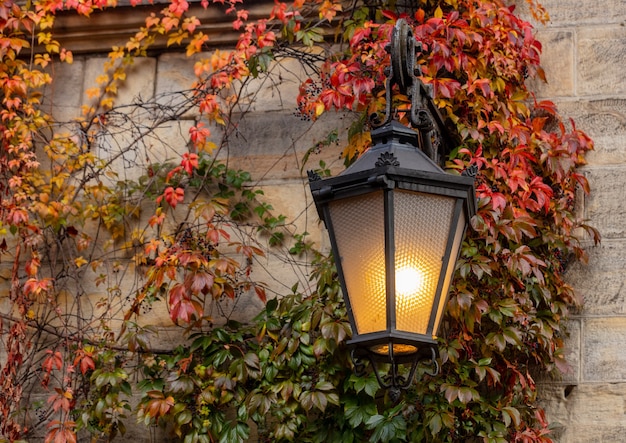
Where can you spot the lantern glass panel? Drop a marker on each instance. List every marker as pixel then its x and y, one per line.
pixel 359 229
pixel 421 229
pixel 459 232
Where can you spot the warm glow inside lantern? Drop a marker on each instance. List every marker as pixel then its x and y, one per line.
pixel 396 222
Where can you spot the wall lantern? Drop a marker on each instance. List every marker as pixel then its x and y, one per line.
pixel 396 222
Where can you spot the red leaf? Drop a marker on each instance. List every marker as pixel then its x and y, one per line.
pixel 389 14
pixel 84 360
pixel 419 15
pixel 159 405
pixel 54 360
pixel 173 196
pixel 260 292
pixel 182 308
pixel 201 282
pixel 189 163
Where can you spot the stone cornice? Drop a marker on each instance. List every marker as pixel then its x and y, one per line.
pixel 104 29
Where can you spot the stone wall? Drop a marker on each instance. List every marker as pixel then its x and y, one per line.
pixel 269 141
pixel 584 47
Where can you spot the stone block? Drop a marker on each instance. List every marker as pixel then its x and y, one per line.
pixel 584 12
pixel 599 59
pixel 130 145
pixel 557 60
pixel 174 79
pixel 64 97
pixel 602 282
pixel 572 351
pixel 139 83
pixel 168 141
pixel 572 330
pixel 585 413
pixel 603 359
pixel 274 144
pixel 556 401
pixel 275 90
pixel 175 72
pixel 604 207
pixel 605 122
pixel 293 200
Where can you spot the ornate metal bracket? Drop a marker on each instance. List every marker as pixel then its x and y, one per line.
pixel 404 74
pixel 394 382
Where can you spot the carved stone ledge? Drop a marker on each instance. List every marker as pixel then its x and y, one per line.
pixel 113 27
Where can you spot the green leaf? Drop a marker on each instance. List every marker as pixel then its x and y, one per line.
pixel 184 417
pixel 510 413
pixel 496 340
pixel 434 424
pixel 512 335
pixel 310 36
pixel 357 412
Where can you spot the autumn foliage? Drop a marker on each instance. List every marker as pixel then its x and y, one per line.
pixel 187 234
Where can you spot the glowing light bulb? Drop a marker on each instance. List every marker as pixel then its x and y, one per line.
pixel 409 281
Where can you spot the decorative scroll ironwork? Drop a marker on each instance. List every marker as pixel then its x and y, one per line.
pixel 470 171
pixel 435 137
pixel 393 381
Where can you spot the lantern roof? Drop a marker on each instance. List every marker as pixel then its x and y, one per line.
pixel 395 145
pixel 395 157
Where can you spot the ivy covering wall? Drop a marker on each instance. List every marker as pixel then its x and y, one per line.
pixel 186 231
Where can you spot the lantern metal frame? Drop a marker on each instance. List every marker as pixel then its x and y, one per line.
pixel 401 159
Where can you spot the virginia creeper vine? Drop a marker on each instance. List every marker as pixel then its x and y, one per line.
pixel 188 231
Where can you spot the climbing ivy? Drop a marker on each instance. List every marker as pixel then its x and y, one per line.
pixel 187 232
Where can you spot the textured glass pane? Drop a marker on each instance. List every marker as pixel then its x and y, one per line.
pixel 422 223
pixel 359 228
pixel 459 232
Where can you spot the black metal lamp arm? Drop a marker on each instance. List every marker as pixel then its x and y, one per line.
pixel 402 72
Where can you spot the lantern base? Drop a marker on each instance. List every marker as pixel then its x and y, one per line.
pixel 388 346
pixel 398 349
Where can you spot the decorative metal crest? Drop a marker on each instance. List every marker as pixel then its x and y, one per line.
pixel 393 381
pixel 387 159
pixel 313 176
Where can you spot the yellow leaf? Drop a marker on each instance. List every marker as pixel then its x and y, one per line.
pixel 117 52
pixel 93 92
pixel 107 103
pixel 80 261
pixel 357 144
pixel 207 147
pixel 119 74
pixel 66 56
pixel 102 79
pixel 111 88
pixel 438 12
pixel 319 109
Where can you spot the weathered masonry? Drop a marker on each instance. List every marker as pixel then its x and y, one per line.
pixel 584 47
